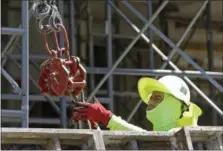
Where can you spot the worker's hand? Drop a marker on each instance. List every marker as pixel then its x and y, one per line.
pixel 93 112
pixel 70 117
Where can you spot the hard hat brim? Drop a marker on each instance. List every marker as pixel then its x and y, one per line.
pixel 147 85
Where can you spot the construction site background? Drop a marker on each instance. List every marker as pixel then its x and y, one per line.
pixel 98 34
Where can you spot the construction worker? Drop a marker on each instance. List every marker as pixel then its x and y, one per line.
pixel 168 106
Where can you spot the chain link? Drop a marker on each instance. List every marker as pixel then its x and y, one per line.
pixel 52 2
pixel 49 20
pixel 55 19
pixel 40 9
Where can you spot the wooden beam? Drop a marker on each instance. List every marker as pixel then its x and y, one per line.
pixel 183 137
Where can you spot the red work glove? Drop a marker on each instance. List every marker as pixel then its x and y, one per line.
pixel 94 112
pixel 70 116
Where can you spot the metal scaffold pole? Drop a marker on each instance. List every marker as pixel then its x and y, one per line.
pixel 90 38
pixel 181 52
pixel 24 91
pixel 73 24
pixel 127 49
pixel 113 42
pixel 63 99
pixel 150 35
pixel 136 71
pixel 10 43
pixel 25 62
pixel 108 32
pixel 210 53
pixel 167 59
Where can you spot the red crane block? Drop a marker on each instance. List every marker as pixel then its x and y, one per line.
pixel 60 77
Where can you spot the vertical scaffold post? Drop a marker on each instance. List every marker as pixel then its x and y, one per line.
pixel 210 54
pixel 63 99
pixel 108 33
pixel 150 35
pixel 25 62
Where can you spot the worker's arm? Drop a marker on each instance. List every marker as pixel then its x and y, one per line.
pixel 97 113
pixel 117 123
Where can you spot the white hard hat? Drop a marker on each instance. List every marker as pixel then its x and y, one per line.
pixel 168 84
pixel 177 87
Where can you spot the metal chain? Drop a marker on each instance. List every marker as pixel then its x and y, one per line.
pixel 55 19
pixel 52 2
pixel 42 11
pixel 49 20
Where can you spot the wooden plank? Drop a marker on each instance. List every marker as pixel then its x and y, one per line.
pixel 40 141
pixel 88 145
pixel 21 147
pixel 133 145
pixel 40 136
pixel 203 133
pixel 53 144
pixel 133 135
pixel 215 142
pixel 94 139
pixel 122 139
pixel 98 140
pixel 181 140
pixel 154 145
pixel 45 133
pixel 187 138
pixel 23 141
pixel 201 129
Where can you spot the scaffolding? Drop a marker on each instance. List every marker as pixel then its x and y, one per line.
pixel 111 69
